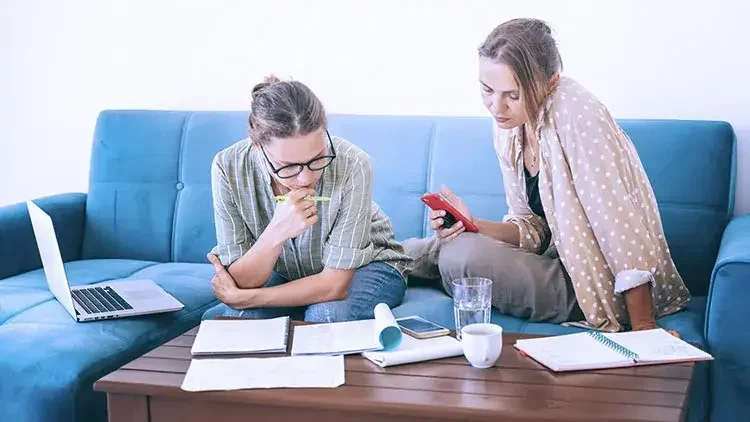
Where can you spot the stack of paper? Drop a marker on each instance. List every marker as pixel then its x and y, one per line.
pixel 414 350
pixel 381 333
pixel 241 336
pixel 283 372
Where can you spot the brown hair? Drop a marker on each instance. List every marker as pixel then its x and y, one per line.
pixel 281 109
pixel 528 48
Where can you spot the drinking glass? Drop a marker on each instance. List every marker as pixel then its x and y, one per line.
pixel 472 301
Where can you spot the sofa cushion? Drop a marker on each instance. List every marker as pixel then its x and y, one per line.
pixel 49 362
pixel 133 185
pixel 401 149
pixel 25 291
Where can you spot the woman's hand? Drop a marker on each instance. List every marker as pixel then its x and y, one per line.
pixel 224 286
pixel 437 218
pixel 294 215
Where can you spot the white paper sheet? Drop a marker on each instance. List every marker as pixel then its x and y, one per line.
pixel 236 336
pixel 247 373
pixel 657 345
pixel 417 350
pixel 380 333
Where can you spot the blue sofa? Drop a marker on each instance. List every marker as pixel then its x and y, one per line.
pixel 148 213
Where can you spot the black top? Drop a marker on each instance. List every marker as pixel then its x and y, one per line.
pixel 532 191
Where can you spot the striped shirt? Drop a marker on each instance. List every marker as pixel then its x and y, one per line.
pixel 351 231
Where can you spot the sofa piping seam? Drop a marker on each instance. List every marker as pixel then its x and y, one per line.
pixel 179 180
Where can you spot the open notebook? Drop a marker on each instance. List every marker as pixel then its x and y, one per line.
pixel 597 350
pixel 241 336
pixel 379 333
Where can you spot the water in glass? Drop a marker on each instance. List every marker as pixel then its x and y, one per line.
pixel 472 301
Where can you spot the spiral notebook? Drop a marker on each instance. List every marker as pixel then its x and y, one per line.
pixel 597 350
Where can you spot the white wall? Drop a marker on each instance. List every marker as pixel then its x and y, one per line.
pixel 62 62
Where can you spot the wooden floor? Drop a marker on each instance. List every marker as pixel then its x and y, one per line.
pixel 516 389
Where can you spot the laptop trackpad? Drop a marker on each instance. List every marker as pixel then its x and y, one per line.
pixel 135 295
pixel 135 291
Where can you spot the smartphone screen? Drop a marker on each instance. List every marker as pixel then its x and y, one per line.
pixel 419 325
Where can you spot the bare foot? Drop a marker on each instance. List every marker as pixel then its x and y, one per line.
pixel 641 311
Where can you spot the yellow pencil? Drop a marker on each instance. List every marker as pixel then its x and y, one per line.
pixel 281 198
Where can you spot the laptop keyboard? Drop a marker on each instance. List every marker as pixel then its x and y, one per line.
pixel 96 300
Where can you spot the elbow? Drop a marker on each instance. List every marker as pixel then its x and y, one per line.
pixel 246 281
pixel 339 289
pixel 245 284
pixel 334 284
pixel 339 292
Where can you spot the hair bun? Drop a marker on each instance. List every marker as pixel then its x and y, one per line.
pixel 267 81
pixel 271 79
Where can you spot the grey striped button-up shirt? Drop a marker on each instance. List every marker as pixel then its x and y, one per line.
pixel 351 232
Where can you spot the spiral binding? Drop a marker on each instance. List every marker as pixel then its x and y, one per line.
pixel 622 350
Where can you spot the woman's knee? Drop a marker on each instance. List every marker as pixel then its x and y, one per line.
pixel 469 254
pixel 336 311
pixel 372 284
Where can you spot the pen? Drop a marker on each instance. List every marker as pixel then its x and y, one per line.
pixel 281 198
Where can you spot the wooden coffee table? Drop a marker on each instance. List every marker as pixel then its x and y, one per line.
pixel 516 389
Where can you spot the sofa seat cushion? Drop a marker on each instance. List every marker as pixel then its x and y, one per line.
pixel 49 362
pixel 433 304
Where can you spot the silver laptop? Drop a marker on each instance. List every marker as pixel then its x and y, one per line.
pixel 97 301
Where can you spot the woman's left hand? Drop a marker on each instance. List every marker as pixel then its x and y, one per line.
pixel 437 218
pixel 224 286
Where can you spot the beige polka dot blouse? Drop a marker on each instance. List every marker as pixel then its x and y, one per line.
pixel 600 208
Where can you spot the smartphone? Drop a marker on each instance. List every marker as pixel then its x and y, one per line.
pixel 419 327
pixel 438 202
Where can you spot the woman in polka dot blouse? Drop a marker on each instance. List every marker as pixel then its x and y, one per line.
pixel 583 237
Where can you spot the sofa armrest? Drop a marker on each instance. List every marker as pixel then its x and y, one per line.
pixel 727 319
pixel 18 250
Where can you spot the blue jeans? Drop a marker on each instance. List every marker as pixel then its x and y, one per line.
pixel 372 284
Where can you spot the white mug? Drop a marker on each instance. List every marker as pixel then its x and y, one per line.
pixel 482 344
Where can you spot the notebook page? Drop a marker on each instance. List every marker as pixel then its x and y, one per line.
pixel 236 336
pixel 572 352
pixel 416 350
pixel 283 372
pixel 335 338
pixel 380 333
pixel 658 346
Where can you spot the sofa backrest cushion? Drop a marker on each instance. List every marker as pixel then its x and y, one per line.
pixel 150 190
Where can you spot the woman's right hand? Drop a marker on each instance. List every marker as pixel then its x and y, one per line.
pixel 437 218
pixel 294 215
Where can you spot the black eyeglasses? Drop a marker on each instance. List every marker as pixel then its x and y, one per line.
pixel 292 170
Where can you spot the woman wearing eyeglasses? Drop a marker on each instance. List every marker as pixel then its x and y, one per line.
pixel 297 232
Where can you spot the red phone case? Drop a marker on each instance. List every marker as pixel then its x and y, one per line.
pixel 437 203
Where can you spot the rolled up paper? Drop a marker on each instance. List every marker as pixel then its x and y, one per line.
pixel 388 332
